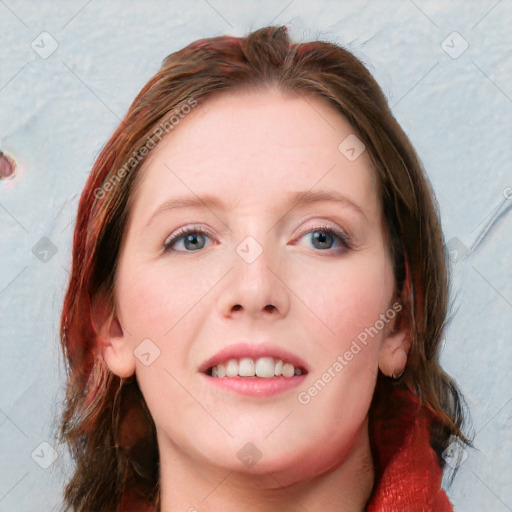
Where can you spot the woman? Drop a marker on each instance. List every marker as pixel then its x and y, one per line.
pixel 257 295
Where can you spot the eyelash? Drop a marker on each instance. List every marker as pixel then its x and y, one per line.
pixel 342 237
pixel 180 233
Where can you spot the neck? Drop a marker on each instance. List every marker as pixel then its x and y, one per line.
pixel 190 485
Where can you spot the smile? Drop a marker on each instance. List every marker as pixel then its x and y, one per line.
pixel 264 367
pixel 255 369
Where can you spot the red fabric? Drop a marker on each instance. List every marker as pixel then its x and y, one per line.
pixel 407 473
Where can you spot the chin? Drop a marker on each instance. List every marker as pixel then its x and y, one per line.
pixel 259 456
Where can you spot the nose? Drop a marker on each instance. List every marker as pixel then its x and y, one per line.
pixel 256 288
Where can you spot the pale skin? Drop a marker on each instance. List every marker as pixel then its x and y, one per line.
pixel 251 150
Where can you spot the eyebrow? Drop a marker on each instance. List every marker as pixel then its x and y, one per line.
pixel 292 200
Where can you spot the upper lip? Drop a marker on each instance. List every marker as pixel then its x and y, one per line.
pixel 254 351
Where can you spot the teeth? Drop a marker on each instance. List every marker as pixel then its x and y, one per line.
pixel 288 370
pixel 232 368
pixel 246 367
pixel 264 367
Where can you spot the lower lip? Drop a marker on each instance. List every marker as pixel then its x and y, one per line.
pixel 256 386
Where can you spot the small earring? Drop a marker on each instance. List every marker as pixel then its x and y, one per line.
pixel 396 377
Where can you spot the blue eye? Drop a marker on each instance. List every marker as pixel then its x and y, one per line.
pixel 324 238
pixel 192 240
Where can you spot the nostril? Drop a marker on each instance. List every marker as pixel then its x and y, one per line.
pixel 237 307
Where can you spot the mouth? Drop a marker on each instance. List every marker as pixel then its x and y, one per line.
pixel 254 369
pixel 262 367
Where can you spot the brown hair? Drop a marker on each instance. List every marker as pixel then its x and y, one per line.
pixel 105 421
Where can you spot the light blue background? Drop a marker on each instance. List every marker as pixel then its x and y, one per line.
pixel 56 113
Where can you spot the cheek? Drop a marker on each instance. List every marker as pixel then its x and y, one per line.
pixel 350 305
pixel 154 299
pixel 350 300
pixel 161 304
pixel 357 295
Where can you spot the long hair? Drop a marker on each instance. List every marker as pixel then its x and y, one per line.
pixel 105 420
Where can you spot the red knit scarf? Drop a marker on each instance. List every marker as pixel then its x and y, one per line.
pixel 407 473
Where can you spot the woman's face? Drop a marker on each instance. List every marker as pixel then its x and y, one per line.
pixel 269 275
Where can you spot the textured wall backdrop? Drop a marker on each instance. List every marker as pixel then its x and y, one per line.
pixel 68 72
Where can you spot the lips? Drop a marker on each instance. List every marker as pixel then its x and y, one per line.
pixel 253 351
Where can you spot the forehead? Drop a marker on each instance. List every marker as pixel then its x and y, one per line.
pixel 251 146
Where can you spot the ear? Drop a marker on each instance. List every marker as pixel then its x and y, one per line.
pixel 394 349
pixel 111 338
